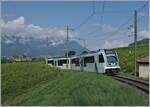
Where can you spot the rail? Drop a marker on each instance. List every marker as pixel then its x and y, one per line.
pixel 140 84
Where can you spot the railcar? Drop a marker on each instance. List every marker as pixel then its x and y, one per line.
pixel 60 62
pixel 75 63
pixel 100 61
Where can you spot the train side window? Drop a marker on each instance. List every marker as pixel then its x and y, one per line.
pixel 75 61
pixel 101 59
pixel 61 62
pixel 89 59
pixel 51 62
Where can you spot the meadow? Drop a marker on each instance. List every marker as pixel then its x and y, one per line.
pixel 126 57
pixel 17 77
pixel 34 83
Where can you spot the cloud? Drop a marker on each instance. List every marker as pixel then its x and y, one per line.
pixel 143 34
pixel 9 42
pixel 114 44
pixel 15 24
pixel 18 28
pixel 27 32
pixel 122 39
pixel 143 14
pixel 106 28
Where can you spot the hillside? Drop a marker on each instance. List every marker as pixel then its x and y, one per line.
pixel 37 84
pixel 140 42
pixel 126 56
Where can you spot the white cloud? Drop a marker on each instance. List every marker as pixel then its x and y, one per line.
pixel 15 24
pixel 19 21
pixel 143 14
pixel 114 44
pixel 33 28
pixel 9 41
pixel 122 39
pixel 106 28
pixel 143 34
pixel 18 28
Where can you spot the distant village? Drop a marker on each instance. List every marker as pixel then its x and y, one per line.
pixel 17 58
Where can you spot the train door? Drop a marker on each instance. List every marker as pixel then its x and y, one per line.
pixel 82 64
pixel 101 63
pixel 96 64
pixel 69 65
pixel 55 63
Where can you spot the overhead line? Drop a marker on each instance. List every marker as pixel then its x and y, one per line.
pixel 84 22
pixel 130 18
pixel 103 7
pixel 93 7
pixel 140 9
pixel 88 18
pixel 125 23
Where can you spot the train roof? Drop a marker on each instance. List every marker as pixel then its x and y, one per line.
pixel 83 54
pixel 56 57
pixel 99 50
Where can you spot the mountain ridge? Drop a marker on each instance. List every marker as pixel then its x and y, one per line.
pixel 37 48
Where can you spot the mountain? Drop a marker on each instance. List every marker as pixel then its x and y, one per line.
pixel 37 48
pixel 143 41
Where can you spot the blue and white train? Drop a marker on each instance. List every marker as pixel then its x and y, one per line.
pixel 101 61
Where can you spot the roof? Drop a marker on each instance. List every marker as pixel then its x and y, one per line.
pixel 82 54
pixel 91 52
pixel 144 60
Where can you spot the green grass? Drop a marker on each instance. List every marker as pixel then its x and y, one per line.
pixel 17 77
pixel 127 60
pixel 36 84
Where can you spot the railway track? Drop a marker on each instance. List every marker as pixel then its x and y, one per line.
pixel 140 84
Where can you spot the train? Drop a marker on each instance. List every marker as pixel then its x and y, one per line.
pixel 103 61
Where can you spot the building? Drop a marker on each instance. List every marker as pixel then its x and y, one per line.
pixel 143 67
pixel 21 58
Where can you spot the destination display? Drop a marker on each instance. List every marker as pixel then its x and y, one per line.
pixel 109 51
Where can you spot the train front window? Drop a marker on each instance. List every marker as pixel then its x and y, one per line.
pixel 101 59
pixel 112 60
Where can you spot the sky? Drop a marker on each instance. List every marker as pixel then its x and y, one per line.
pixel 102 29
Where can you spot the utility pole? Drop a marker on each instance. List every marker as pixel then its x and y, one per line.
pixel 135 40
pixel 46 56
pixel 67 45
pixel 84 44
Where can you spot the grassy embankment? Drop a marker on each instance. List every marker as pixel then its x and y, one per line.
pixel 17 77
pixel 37 84
pixel 127 59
